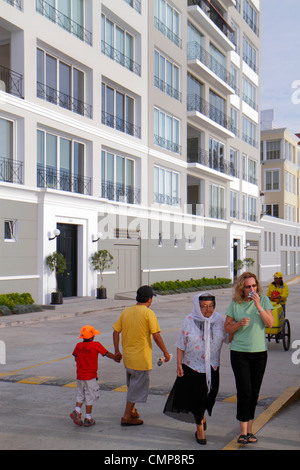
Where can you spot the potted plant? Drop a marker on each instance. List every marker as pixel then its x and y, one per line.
pixel 56 262
pixel 238 265
pixel 101 260
pixel 249 262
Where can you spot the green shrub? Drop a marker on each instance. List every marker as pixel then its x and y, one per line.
pixel 4 310
pixel 165 287
pixel 17 303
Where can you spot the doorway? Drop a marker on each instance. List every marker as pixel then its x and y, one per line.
pixel 67 245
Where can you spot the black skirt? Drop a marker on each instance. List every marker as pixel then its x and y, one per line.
pixel 189 397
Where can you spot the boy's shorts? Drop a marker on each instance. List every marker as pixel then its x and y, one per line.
pixel 138 382
pixel 88 391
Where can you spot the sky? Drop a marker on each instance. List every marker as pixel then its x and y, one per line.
pixel 280 61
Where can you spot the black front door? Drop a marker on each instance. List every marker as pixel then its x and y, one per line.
pixel 67 245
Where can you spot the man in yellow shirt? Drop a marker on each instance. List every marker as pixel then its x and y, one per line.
pixel 278 290
pixel 138 324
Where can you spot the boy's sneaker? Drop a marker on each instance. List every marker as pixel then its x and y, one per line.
pixel 89 422
pixel 76 417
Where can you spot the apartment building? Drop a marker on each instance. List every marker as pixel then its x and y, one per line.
pixel 131 126
pixel 280 186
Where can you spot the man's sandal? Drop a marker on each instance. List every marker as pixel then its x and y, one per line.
pixel 251 438
pixel 243 439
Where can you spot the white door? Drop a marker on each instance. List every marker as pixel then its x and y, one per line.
pixel 128 267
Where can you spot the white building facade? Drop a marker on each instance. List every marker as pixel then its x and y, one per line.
pixel 131 126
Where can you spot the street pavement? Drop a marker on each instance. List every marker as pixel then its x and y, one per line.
pixel 38 391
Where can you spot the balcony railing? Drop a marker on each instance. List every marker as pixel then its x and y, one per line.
pixel 217 212
pixel 11 171
pixel 50 177
pixel 16 3
pixel 120 124
pixel 136 4
pixel 167 144
pixel 64 21
pixel 120 58
pixel 204 158
pixel 214 15
pixel 11 82
pixel 167 32
pixel 54 96
pixel 196 103
pixel 167 199
pixel 166 88
pixel 195 51
pixel 120 192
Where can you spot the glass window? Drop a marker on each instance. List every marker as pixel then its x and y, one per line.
pixel 6 138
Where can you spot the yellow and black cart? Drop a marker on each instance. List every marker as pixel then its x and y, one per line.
pixel 281 329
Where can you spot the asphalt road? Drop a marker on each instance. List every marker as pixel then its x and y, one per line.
pixel 37 385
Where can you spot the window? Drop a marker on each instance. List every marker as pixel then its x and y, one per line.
pixel 166 131
pixel 6 139
pixel 249 208
pixel 166 76
pixel 166 186
pixel 234 162
pixel 289 182
pixel 216 155
pixel 119 45
pixel 61 84
pixel 217 202
pixel 272 209
pixel 249 93
pixel 10 230
pixel 118 111
pixel 234 209
pixel 167 21
pixel 249 132
pixel 250 54
pixel 289 213
pixel 273 149
pixel 250 15
pixel 118 176
pixel 272 180
pixel 60 163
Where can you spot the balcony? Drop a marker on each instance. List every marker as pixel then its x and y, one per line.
pixel 50 177
pixel 202 157
pixel 11 171
pixel 204 113
pixel 120 192
pixel 120 58
pixel 120 124
pixel 202 62
pixel 135 4
pixel 11 82
pixel 64 21
pixel 64 101
pixel 213 22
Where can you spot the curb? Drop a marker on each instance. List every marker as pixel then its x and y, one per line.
pixel 286 398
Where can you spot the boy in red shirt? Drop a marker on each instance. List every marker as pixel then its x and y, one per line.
pixel 86 356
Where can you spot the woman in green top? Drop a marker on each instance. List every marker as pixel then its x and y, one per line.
pixel 247 316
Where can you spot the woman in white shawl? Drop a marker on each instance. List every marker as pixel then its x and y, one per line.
pixel 199 346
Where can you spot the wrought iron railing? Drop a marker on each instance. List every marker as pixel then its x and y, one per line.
pixel 120 58
pixel 196 103
pixel 11 82
pixel 11 171
pixel 166 88
pixel 120 124
pixel 64 21
pixel 167 32
pixel 167 144
pixel 54 96
pixel 167 199
pixel 15 3
pixel 195 51
pixel 120 192
pixel 203 157
pixel 136 4
pixel 214 15
pixel 50 177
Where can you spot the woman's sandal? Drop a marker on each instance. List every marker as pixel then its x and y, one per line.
pixel 243 439
pixel 251 436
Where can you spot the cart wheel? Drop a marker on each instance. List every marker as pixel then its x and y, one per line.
pixel 286 335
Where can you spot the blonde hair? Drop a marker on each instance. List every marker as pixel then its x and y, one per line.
pixel 239 295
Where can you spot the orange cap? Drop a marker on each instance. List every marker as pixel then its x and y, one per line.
pixel 88 332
